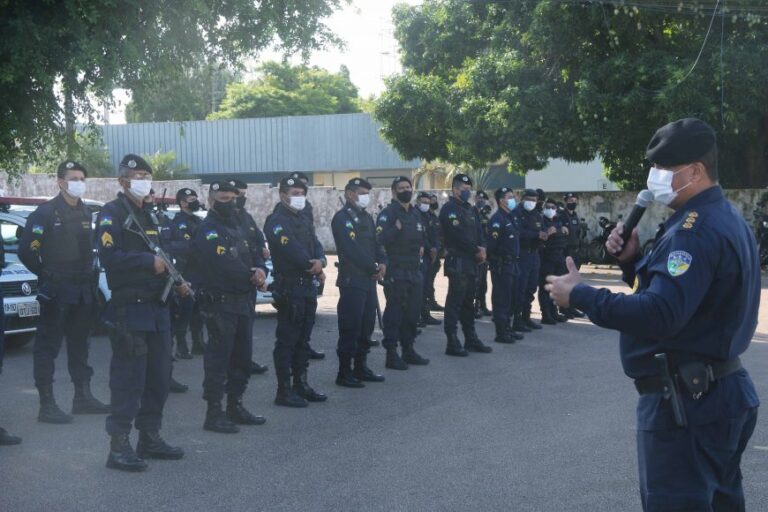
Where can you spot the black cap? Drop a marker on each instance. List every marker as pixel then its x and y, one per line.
pixel 550 200
pixel 400 179
pixel 356 183
pixel 135 163
pixel 69 165
pixel 185 193
pixel 238 184
pixel 461 178
pixel 569 195
pixel 292 182
pixel 540 194
pixel 432 195
pixel 681 142
pixel 299 175
pixel 424 195
pixel 501 192
pixel 481 194
pixel 223 186
pixel 529 192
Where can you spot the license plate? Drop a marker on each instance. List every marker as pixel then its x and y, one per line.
pixel 29 309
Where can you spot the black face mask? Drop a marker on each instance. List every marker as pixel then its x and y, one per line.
pixel 433 206
pixel 194 206
pixel 571 206
pixel 405 196
pixel 226 210
pixel 240 201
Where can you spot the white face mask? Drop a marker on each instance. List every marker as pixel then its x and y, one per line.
pixel 76 188
pixel 424 207
pixel 660 184
pixel 298 202
pixel 140 188
pixel 363 200
pixel 529 205
pixel 549 213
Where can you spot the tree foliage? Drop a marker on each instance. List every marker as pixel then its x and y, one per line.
pixel 89 151
pixel 286 90
pixel 165 167
pixel 58 56
pixel 532 80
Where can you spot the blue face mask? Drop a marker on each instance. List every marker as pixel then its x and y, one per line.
pixel 464 195
pixel 511 203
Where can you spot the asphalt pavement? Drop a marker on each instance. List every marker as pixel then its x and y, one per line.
pixel 546 424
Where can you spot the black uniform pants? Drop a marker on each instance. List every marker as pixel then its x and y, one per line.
pixel 404 303
pixel 504 293
pixel 227 356
pixel 356 313
pixel 551 265
pixel 573 252
pixel 181 314
pixel 432 276
pixel 460 303
pixel 57 322
pixel 139 378
pixel 481 289
pixel 295 319
pixel 528 280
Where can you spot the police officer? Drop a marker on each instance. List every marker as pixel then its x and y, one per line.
pixel 57 246
pixel 552 260
pixel 692 314
pixel 465 245
pixel 503 254
pixel 434 206
pixel 575 231
pixel 6 439
pixel 362 263
pixel 254 239
pixel 481 290
pixel 298 272
pixel 532 237
pixel 229 272
pixel 140 369
pixel 431 249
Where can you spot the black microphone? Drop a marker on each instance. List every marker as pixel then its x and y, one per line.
pixel 643 199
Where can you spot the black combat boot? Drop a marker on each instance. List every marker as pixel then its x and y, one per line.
pixel 519 324
pixel 453 347
pixel 363 373
pixel 410 356
pixel 7 439
pixel 85 403
pixel 478 310
pixel 502 334
pixel 530 323
pixel 345 378
pixel 434 306
pixel 258 369
pixel 198 347
pixel 49 411
pixel 514 334
pixel 472 343
pixel 177 387
pixel 566 312
pixel 394 361
pixel 122 456
pixel 286 396
pixel 217 421
pixel 429 319
pixel 576 313
pixel 546 315
pixel 302 388
pixel 182 350
pixel 557 315
pixel 152 446
pixel 315 354
pixel 238 414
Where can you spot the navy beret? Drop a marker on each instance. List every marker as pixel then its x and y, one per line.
pixel 299 175
pixel 400 179
pixel 424 195
pixel 135 163
pixel 185 193
pixel 540 194
pixel 238 184
pixel 292 182
pixel 482 194
pixel 461 178
pixel 356 183
pixel 69 165
pixel 569 195
pixel 529 192
pixel 680 142
pixel 501 192
pixel 223 186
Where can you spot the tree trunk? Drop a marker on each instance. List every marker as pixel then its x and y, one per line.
pixel 69 114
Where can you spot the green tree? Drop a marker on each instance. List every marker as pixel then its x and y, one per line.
pixel 165 166
pixel 285 90
pixel 533 80
pixel 89 151
pixel 58 56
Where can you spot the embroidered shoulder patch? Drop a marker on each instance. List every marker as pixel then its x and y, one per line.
pixel 349 225
pixel 284 240
pixel 105 221
pixel 106 239
pixel 352 235
pixel 383 218
pixel 37 229
pixel 495 225
pixel 35 245
pixel 451 215
pixel 678 263
pixel 277 229
pixel 182 225
pixel 211 235
pixel 220 250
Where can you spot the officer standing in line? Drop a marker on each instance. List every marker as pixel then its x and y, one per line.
pixel 298 273
pixel 6 439
pixel 532 237
pixel 256 243
pixel 140 369
pixel 57 246
pixel 552 260
pixel 362 263
pixel 693 312
pixel 431 248
pixel 229 272
pixel 465 243
pixel 503 254
pixel 183 228
pixel 481 290
pixel 401 232
pixel 430 298
pixel 573 222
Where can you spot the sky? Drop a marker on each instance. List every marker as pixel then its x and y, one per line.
pixel 371 52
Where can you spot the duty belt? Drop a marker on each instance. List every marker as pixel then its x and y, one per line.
pixel 214 297
pixel 712 371
pixel 133 296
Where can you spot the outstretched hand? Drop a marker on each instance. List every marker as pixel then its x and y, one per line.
pixel 560 287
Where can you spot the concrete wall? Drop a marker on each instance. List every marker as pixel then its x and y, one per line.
pixel 326 201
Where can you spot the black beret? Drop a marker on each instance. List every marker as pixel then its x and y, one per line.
pixel 356 183
pixel 292 182
pixel 424 195
pixel 482 194
pixel 135 163
pixel 680 142
pixel 529 192
pixel 550 200
pixel 540 194
pixel 400 179
pixel 432 195
pixel 501 192
pixel 461 178
pixel 69 165
pixel 223 186
pixel 238 184
pixel 569 195
pixel 185 193
pixel 299 175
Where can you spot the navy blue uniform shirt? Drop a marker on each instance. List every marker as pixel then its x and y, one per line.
pixel 463 235
pixel 403 246
pixel 359 252
pixel 530 224
pixel 292 242
pixel 503 239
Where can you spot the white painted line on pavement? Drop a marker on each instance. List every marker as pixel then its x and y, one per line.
pixel 761 448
